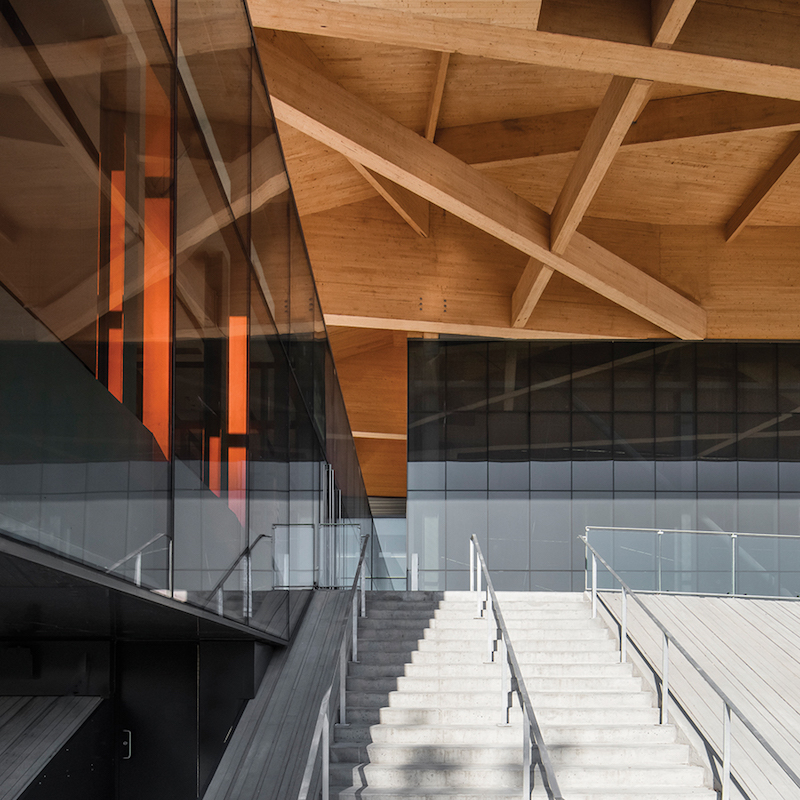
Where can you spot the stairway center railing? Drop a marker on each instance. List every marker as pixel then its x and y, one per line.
pixel 349 645
pixel 511 679
pixel 668 642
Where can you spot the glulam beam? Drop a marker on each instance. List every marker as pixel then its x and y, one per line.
pixel 505 43
pixel 328 113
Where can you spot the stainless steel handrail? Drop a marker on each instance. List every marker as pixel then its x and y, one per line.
pixel 137 554
pixel 508 660
pixel 660 532
pixel 322 727
pixel 670 641
pixel 230 570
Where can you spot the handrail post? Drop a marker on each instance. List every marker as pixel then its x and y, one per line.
pixel 623 634
pixel 726 753
pixel 471 565
pixel 489 638
pixel 355 628
pixel 343 683
pixel 326 757
pixel 478 610
pixel 526 755
pixel 504 680
pixel 665 680
pixel 733 564
pixel 137 570
pixel 248 586
pixel 363 592
pixel 594 586
pixel 659 537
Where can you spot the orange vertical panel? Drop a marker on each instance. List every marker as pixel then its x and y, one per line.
pixel 237 375
pixel 116 280
pixel 157 299
pixel 215 464
pixel 237 482
pixel 157 320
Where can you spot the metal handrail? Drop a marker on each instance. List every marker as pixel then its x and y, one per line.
pixel 137 554
pixel 669 641
pixel 517 683
pixel 322 727
pixel 228 572
pixel 743 555
pixel 685 530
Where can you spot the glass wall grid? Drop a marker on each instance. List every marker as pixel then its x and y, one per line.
pixel 169 402
pixel 631 434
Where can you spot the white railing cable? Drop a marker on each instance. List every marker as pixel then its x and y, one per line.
pixel 321 738
pixel 669 642
pixel 532 734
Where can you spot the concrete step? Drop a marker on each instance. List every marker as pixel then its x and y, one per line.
pixel 478 683
pixel 555 735
pixel 486 699
pixel 478 632
pixel 651 793
pixel 490 716
pixel 434 776
pixel 521 644
pixel 430 655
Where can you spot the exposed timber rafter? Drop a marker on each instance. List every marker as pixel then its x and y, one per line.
pixel 435 105
pixel 763 189
pixel 363 23
pixel 622 104
pixel 328 113
pixel 499 144
pixel 413 209
pixel 529 290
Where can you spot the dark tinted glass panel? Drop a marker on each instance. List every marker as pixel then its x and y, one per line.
pixel 675 377
pixel 466 375
pixel 788 357
pixel 426 363
pixel 633 376
pixel 509 376
pixel 550 377
pixel 592 375
pixel 716 377
pixel 757 380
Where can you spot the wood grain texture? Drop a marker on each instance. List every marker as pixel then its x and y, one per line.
pixel 348 21
pixel 328 113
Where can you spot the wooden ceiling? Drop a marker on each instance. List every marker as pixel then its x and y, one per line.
pixel 540 169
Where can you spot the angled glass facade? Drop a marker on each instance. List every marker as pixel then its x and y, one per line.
pixel 525 444
pixel 169 408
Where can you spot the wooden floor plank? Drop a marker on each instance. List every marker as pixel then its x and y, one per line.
pixel 268 750
pixel 751 649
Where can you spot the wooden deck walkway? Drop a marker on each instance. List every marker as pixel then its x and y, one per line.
pixel 267 753
pixel 32 731
pixel 751 649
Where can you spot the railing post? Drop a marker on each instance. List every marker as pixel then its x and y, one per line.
pixel 623 635
pixel 248 586
pixel 726 753
pixel 363 591
pixel 326 757
pixel 526 756
pixel 137 570
pixel 479 610
pixel 665 681
pixel 471 565
pixel 343 683
pixel 658 556
pixel 733 564
pixel 355 628
pixel 220 602
pixel 594 586
pixel 415 572
pixel 489 637
pixel 504 680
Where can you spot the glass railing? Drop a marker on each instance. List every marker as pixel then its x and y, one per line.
pixel 700 562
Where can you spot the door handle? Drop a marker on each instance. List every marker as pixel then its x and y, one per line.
pixel 127 740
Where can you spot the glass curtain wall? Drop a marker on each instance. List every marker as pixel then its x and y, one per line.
pixel 525 444
pixel 169 408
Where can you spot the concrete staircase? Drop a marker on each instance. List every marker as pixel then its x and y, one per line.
pixel 424 708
